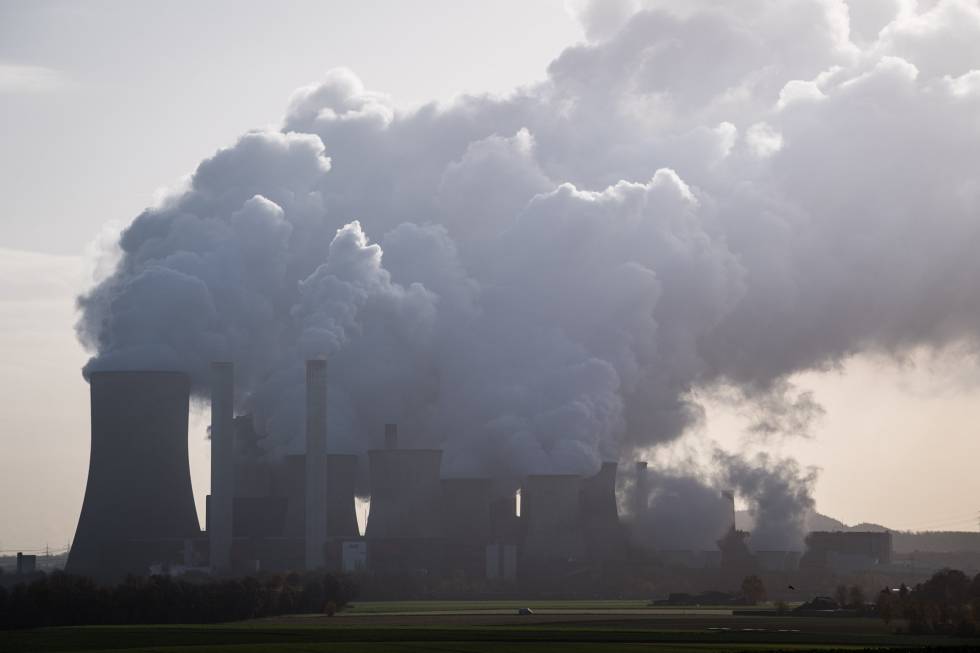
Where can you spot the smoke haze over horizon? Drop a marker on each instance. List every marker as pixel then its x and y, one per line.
pixel 697 199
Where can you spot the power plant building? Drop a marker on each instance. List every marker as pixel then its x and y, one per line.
pixel 847 551
pixel 297 511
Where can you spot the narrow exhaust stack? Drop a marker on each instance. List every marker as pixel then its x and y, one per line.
pixel 728 496
pixel 316 463
pixel 222 465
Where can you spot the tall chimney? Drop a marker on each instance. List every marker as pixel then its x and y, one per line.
pixel 728 496
pixel 222 464
pixel 316 463
pixel 391 436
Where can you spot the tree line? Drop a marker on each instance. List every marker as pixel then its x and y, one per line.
pixel 947 603
pixel 61 599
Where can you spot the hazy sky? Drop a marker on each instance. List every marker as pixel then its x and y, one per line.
pixel 103 104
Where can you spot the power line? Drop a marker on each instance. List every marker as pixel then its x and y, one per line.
pixel 945 525
pixel 956 516
pixel 46 551
pixel 961 518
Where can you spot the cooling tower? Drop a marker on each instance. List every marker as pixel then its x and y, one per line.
pixel 466 525
pixel 222 465
pixel 341 483
pixel 505 525
pixel 316 463
pixel 552 519
pixel 259 516
pixel 641 488
pixel 466 508
pixel 290 482
pixel 138 507
pixel 405 493
pixel 604 536
pixel 341 518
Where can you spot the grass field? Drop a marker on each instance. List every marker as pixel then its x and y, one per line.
pixel 475 627
pixel 388 607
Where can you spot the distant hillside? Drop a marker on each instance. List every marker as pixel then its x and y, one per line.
pixel 903 541
pixel 814 522
pixel 868 526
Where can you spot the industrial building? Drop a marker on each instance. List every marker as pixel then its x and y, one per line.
pixel 846 551
pixel 296 512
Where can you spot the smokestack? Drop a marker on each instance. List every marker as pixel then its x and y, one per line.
pixel 316 463
pixel 391 436
pixel 138 507
pixel 552 518
pixel 222 465
pixel 729 497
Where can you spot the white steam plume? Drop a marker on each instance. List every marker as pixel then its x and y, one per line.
pixel 697 197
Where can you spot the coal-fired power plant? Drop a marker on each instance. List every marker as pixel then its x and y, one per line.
pixel 298 511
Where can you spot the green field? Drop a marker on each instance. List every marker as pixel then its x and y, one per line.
pixel 473 627
pixel 386 607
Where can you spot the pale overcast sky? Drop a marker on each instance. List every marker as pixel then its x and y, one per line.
pixel 105 105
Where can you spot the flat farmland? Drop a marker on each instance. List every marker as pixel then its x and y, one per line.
pixel 468 626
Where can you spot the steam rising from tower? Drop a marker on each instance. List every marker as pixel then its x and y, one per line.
pixel 556 272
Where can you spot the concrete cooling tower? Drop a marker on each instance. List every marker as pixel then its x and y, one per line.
pixel 552 520
pixel 404 528
pixel 220 503
pixel 604 536
pixel 316 468
pixel 340 483
pixel 405 491
pixel 138 507
pixel 466 508
pixel 466 524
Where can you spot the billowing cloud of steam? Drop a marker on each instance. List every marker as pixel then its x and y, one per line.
pixel 683 508
pixel 700 195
